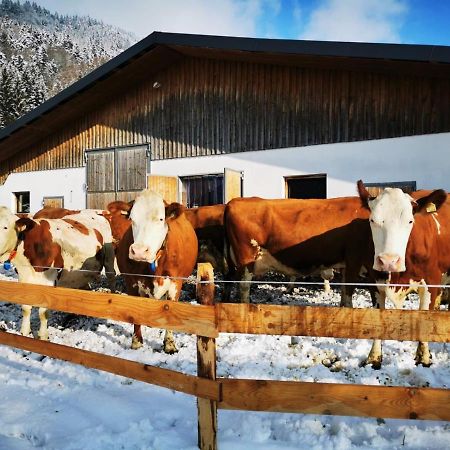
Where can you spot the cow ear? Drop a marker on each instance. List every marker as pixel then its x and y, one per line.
pixel 23 225
pixel 174 210
pixel 120 208
pixel 363 194
pixel 430 203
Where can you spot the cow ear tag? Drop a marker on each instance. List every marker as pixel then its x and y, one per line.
pixel 431 208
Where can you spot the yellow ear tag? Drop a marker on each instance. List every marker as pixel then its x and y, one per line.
pixel 431 207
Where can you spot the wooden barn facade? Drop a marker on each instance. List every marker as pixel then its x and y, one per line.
pixel 205 118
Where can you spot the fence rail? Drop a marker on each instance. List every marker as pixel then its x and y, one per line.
pixel 400 325
pixel 208 320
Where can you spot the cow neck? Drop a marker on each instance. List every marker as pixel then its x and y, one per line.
pixel 159 253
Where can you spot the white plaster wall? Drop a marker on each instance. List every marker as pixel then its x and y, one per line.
pixel 424 159
pixel 68 183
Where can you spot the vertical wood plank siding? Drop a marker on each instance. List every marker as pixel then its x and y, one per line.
pixel 210 107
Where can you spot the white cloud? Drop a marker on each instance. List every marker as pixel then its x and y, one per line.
pixel 142 17
pixel 356 20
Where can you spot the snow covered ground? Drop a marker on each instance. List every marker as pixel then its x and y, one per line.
pixel 51 404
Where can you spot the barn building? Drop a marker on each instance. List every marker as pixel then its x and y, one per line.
pixel 205 118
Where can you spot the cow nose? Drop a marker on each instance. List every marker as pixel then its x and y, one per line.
pixel 139 252
pixel 386 262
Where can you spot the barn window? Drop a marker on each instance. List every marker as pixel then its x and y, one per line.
pixel 202 190
pixel 406 186
pixel 22 202
pixel 306 186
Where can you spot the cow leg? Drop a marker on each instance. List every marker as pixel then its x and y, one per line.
pixel 346 296
pixel 25 329
pixel 44 314
pixel 109 265
pixel 169 344
pixel 346 291
pixel 136 339
pixel 423 355
pixel 246 277
pixel 228 276
pixel 291 285
pixel 172 292
pixel 327 275
pixel 376 353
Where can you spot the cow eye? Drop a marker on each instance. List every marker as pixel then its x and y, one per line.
pixel 161 219
pixel 411 221
pixel 5 228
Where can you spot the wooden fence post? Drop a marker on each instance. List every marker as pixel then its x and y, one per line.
pixel 206 364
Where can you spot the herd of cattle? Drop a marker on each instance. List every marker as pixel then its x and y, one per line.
pixel 393 239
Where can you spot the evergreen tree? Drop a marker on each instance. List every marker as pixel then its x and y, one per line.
pixel 41 53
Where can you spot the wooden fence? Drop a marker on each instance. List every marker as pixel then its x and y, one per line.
pixel 207 320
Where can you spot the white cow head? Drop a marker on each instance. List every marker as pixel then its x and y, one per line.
pixel 391 221
pixel 149 220
pixel 8 233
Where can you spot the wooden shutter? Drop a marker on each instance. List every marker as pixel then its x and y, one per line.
pixel 376 188
pixel 165 186
pixel 232 184
pixel 53 202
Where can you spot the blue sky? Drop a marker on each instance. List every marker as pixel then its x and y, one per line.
pixel 399 21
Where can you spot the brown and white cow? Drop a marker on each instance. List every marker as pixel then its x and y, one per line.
pixel 54 213
pixel 68 252
pixel 411 236
pixel 207 222
pixel 89 214
pixel 297 237
pixel 208 225
pixel 155 253
pixel 117 216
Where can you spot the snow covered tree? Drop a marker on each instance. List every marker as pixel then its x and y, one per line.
pixel 42 53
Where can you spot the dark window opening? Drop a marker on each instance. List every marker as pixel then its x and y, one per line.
pixel 202 190
pixel 22 202
pixel 305 187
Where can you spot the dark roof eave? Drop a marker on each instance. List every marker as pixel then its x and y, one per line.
pixel 399 52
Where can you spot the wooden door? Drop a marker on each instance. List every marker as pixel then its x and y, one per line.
pixel 232 184
pixel 115 174
pixel 164 185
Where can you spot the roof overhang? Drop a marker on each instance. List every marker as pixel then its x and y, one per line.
pixel 160 50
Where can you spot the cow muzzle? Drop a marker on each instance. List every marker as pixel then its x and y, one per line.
pixel 141 253
pixel 386 262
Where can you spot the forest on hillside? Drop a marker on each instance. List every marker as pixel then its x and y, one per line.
pixel 41 53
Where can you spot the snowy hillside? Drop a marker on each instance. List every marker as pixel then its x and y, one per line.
pixel 41 53
pixel 56 405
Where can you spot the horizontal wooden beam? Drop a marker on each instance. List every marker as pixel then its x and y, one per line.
pixel 400 325
pixel 187 318
pixel 336 399
pixel 189 384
